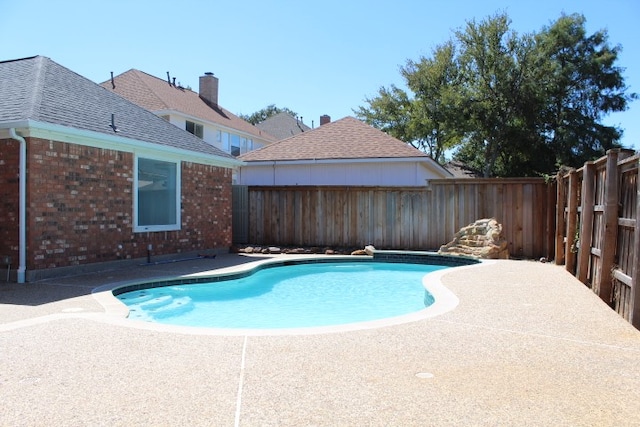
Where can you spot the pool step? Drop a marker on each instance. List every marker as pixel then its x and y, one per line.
pixel 175 307
pixel 156 302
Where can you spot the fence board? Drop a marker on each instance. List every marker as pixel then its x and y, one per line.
pixel 413 218
pixel 609 232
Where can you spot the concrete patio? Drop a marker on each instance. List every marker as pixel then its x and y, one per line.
pixel 527 345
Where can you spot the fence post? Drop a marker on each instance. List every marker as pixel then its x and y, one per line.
pixel 610 231
pixel 634 312
pixel 586 220
pixel 559 252
pixel 572 219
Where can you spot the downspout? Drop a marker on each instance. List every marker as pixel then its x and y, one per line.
pixel 22 268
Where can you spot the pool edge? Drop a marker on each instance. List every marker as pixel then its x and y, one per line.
pixel 444 300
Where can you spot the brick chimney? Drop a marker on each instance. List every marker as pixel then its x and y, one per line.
pixel 324 119
pixel 209 89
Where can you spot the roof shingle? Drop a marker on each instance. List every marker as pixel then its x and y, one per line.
pixel 156 94
pixel 283 125
pixel 347 138
pixel 41 90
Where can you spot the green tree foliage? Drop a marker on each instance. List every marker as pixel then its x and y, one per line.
pixel 426 121
pixel 580 84
pixel 496 70
pixel 265 113
pixel 509 104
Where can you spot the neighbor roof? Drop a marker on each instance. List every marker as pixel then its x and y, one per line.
pixel 38 89
pixel 347 138
pixel 283 125
pixel 157 94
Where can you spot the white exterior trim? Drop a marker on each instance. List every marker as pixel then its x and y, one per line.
pixel 35 129
pixel 392 172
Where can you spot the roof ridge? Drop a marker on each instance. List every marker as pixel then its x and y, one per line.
pixel 137 73
pixel 41 64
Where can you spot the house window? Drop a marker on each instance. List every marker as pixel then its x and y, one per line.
pixel 218 136
pixel 225 142
pixel 195 128
pixel 235 145
pixel 249 144
pixel 157 195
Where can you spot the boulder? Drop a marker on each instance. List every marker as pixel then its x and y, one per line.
pixel 359 252
pixel 369 249
pixel 482 239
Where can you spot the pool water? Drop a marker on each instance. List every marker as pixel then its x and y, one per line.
pixel 293 296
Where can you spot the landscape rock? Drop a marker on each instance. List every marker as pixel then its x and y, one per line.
pixel 482 239
pixel 369 249
pixel 359 252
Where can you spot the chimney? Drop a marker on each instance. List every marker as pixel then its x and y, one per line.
pixel 324 119
pixel 209 89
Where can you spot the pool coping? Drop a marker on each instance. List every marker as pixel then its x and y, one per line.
pixel 444 300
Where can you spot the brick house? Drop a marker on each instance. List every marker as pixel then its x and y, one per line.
pixel 88 177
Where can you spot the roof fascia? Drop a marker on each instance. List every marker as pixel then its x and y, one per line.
pixel 419 159
pixel 424 161
pixel 35 129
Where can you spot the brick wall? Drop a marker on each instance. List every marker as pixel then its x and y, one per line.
pixel 9 198
pixel 80 208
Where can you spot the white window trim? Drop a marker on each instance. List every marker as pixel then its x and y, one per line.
pixel 151 228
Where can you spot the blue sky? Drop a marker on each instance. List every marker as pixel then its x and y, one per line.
pixel 315 58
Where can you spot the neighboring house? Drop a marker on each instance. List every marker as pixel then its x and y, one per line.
pixel 344 152
pixel 461 170
pixel 198 113
pixel 88 177
pixel 283 125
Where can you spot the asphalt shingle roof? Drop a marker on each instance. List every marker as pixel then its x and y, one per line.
pixel 283 125
pixel 347 138
pixel 157 94
pixel 41 90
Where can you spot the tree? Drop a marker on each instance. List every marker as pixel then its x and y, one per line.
pixel 510 104
pixel 582 84
pixel 423 121
pixel 265 113
pixel 495 66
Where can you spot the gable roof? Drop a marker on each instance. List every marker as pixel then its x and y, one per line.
pixel 156 94
pixel 37 90
pixel 283 125
pixel 347 138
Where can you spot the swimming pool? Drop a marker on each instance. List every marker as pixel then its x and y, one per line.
pixel 298 295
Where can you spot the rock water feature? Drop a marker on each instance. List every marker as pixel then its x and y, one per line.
pixel 482 239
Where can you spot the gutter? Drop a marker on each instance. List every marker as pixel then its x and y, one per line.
pixel 22 219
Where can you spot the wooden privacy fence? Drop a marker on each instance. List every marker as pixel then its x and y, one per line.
pixel 598 229
pixel 412 218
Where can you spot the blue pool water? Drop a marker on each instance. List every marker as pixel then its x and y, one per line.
pixel 293 296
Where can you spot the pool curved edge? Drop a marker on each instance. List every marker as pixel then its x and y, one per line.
pixel 117 312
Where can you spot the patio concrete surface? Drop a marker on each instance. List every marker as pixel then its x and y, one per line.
pixel 527 345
